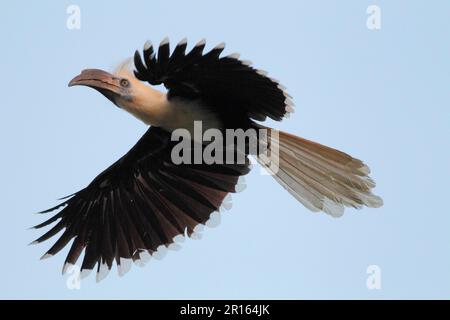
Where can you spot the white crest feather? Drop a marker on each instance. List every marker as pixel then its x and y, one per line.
pixel 125 68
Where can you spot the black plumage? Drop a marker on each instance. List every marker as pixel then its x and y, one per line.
pixel 139 203
pixel 230 87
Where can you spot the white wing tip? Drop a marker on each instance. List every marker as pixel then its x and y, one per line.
pixel 66 267
pixel 183 41
pixel 199 228
pixel 144 256
pixel 233 56
pixel 241 184
pixel 46 256
pixel 102 272
pixel 178 239
pixel 289 109
pixel 262 72
pixel 174 247
pixel 214 220
pixel 164 41
pixel 147 45
pixel 227 202
pixel 201 43
pixel 196 236
pixel 124 266
pixel 160 252
pixel 85 273
pixel 220 46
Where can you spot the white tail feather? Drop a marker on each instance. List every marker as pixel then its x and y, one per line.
pixel 321 178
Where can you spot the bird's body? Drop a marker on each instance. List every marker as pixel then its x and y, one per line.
pixel 146 201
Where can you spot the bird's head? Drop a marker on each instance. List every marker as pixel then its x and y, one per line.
pixel 125 91
pixel 119 87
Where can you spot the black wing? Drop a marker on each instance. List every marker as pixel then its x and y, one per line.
pixel 227 84
pixel 137 206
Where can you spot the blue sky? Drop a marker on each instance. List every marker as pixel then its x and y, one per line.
pixel 380 95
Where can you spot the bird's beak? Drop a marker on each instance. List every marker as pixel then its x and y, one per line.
pixel 100 80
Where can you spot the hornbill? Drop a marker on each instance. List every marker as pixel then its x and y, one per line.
pixel 145 203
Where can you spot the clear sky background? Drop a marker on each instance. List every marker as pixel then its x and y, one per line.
pixel 381 95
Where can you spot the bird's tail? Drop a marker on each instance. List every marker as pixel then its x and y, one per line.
pixel 320 177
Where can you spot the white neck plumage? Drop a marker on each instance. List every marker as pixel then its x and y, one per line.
pixel 153 108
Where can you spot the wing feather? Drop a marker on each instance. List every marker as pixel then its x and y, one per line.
pixel 227 85
pixel 138 206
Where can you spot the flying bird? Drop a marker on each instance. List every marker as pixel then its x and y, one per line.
pixel 145 203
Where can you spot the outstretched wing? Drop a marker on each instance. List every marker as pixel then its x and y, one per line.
pixel 228 85
pixel 139 206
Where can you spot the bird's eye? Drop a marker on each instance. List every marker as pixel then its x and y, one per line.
pixel 124 83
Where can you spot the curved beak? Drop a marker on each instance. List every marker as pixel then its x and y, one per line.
pixel 100 80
